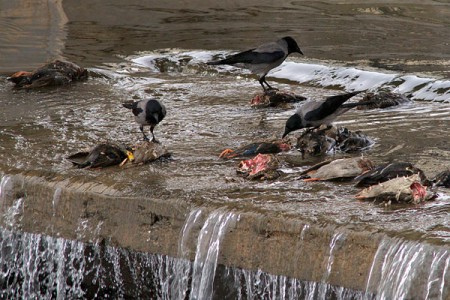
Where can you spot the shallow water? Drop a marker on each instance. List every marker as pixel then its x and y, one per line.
pixel 137 50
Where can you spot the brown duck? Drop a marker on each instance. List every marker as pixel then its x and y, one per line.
pixel 55 73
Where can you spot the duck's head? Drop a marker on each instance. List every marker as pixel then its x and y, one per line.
pixel 20 78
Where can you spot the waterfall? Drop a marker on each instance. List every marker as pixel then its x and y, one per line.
pixel 183 270
pixel 37 266
pixel 403 270
pixel 338 236
pixel 208 246
pixel 13 214
pixel 268 286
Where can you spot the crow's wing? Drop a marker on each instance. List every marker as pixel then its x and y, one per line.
pixel 251 57
pixel 328 107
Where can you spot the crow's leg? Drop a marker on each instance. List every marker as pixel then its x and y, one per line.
pixel 268 86
pixel 261 82
pixel 154 140
pixel 143 133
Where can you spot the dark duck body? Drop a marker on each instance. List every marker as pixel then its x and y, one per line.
pixel 101 156
pixel 383 100
pixel 148 112
pixel 442 179
pixel 52 74
pixel 387 172
pixel 256 148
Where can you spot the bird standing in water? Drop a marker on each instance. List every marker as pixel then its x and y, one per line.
pixel 316 113
pixel 262 59
pixel 148 112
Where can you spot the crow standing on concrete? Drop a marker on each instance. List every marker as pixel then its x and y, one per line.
pixel 262 59
pixel 316 113
pixel 147 112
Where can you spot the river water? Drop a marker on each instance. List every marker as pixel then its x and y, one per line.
pixel 156 49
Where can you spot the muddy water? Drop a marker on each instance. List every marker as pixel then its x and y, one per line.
pixel 137 50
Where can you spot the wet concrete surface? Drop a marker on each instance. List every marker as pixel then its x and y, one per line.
pixel 208 110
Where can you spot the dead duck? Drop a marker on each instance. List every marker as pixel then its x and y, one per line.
pixel 100 156
pixel 145 152
pixel 262 166
pixel 317 142
pixel 387 172
pixel 405 189
pixel 382 100
pixel 55 73
pixel 256 148
pixel 442 179
pixel 110 154
pixel 275 98
pixel 339 169
pixel 352 141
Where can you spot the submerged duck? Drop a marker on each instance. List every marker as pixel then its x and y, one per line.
pixel 256 148
pixel 389 171
pixel 262 166
pixel 405 189
pixel 382 100
pixel 100 156
pixel 343 168
pixel 351 141
pixel 316 142
pixel 52 74
pixel 274 98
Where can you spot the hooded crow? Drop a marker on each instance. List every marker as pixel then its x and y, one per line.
pixel 262 59
pixel 316 113
pixel 147 112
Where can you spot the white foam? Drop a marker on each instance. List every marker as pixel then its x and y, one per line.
pixel 323 74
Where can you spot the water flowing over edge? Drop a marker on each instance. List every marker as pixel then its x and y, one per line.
pixel 36 266
pixel 399 265
pixel 40 266
pixel 325 74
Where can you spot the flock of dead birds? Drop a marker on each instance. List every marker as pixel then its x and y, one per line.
pixel 393 182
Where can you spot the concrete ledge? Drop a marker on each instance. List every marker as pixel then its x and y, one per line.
pixel 260 240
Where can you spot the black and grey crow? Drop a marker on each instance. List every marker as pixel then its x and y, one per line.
pixel 316 113
pixel 262 59
pixel 148 112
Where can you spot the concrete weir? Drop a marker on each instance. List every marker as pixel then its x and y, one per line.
pixel 360 260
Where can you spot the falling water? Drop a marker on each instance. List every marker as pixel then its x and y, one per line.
pixel 322 294
pixel 402 270
pixel 37 266
pixel 208 246
pixel 12 214
pixel 183 265
pixel 261 285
